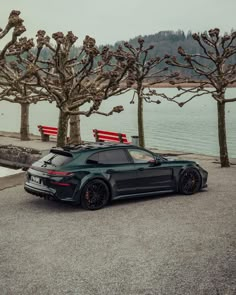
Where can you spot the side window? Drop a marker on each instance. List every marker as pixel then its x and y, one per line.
pixel 140 156
pixel 109 157
pixel 113 157
pixel 93 159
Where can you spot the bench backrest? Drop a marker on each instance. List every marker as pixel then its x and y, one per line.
pixel 102 135
pixel 47 130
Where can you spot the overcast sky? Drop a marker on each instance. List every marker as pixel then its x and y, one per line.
pixel 111 20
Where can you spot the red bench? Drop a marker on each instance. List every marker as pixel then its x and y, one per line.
pixel 102 135
pixel 46 131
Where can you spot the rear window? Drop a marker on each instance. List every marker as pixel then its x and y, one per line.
pixel 54 160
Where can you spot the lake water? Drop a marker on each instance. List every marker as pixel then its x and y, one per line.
pixel 192 128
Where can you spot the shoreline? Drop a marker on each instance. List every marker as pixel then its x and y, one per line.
pixel 184 85
pixel 17 176
pixel 13 138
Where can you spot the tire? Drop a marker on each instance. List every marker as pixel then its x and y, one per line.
pixel 190 181
pixel 95 195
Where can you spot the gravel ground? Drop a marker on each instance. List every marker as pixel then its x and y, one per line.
pixel 155 246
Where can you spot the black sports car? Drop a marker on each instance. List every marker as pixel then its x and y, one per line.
pixel 94 174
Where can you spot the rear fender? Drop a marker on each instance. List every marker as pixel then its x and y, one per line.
pixel 87 180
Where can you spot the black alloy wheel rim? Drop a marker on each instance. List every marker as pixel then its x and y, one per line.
pixel 96 195
pixel 190 182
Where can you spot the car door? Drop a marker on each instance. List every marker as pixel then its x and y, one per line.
pixel 118 168
pixel 150 177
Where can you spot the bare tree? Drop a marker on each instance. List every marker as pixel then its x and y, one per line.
pixel 13 71
pixel 15 23
pixel 214 71
pixel 13 90
pixel 71 80
pixel 87 77
pixel 145 72
pixel 24 97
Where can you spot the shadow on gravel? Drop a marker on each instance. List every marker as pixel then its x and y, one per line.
pixel 141 199
pixel 169 196
pixel 59 206
pixel 51 205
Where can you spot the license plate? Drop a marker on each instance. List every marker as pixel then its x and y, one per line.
pixel 35 179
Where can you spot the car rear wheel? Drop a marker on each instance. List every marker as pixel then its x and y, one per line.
pixel 190 181
pixel 95 195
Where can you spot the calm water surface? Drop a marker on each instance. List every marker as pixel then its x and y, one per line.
pixel 192 128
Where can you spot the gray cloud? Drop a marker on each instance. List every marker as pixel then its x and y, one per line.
pixel 110 20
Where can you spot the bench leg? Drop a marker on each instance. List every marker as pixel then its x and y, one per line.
pixel 44 137
pixel 120 137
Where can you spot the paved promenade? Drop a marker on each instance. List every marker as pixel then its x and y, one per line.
pixel 169 245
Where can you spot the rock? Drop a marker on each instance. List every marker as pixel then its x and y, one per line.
pixel 18 157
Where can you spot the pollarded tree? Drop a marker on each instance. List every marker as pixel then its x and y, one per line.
pixel 87 78
pixel 23 96
pixel 145 72
pixel 12 88
pixel 214 70
pixel 13 72
pixel 14 23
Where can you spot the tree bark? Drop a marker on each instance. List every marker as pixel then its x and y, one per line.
pixel 140 119
pixel 24 125
pixel 224 158
pixel 62 129
pixel 75 136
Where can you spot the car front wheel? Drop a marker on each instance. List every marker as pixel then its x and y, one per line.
pixel 190 181
pixel 95 195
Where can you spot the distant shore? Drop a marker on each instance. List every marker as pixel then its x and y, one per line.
pixel 184 85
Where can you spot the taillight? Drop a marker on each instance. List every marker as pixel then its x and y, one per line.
pixel 59 173
pixel 61 183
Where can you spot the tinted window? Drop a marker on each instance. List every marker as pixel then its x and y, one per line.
pixel 93 159
pixel 140 156
pixel 54 160
pixel 109 157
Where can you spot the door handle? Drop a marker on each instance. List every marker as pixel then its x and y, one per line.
pixel 141 169
pixel 110 171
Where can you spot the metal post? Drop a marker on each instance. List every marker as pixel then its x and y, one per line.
pixel 135 140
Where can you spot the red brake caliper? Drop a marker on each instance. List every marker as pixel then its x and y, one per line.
pixel 87 195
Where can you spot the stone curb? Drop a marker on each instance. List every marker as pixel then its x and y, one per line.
pixel 11 180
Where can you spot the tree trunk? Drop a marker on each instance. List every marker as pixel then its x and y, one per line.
pixel 24 124
pixel 75 136
pixel 224 158
pixel 140 120
pixel 62 129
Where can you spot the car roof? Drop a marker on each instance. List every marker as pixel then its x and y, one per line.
pixel 92 146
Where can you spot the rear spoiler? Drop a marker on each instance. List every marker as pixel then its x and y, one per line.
pixel 61 152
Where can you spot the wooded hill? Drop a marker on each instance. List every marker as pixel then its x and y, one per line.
pixel 168 42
